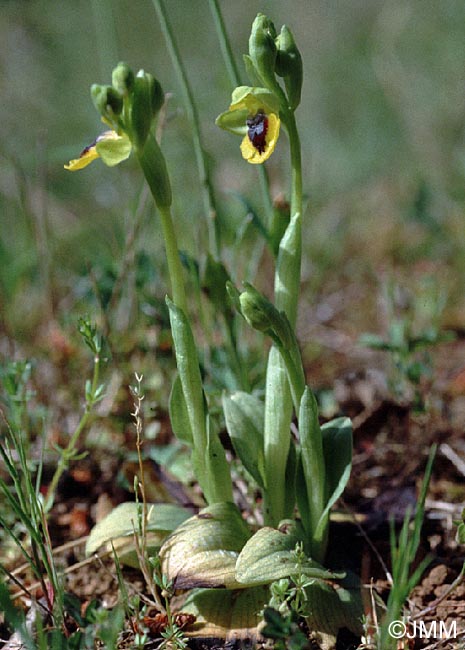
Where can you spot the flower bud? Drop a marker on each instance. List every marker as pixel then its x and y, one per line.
pixel 147 99
pixel 234 296
pixel 263 51
pixel 289 66
pixel 122 78
pixel 107 101
pixel 263 316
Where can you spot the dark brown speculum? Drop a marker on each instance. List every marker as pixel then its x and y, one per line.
pixel 257 129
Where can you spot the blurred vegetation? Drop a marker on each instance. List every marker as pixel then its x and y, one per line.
pixel 382 125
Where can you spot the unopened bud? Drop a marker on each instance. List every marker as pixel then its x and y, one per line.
pixel 122 78
pixel 263 51
pixel 146 101
pixel 289 65
pixel 107 101
pixel 263 316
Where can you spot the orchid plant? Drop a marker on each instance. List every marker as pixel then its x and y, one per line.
pixel 300 477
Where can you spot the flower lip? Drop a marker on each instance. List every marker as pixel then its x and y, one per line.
pixel 257 128
pixel 262 134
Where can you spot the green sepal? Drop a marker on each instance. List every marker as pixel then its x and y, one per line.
pixel 254 98
pixel 179 415
pixel 270 555
pixel 112 151
pixel 244 416
pixel 202 551
pixel 289 66
pixel 233 121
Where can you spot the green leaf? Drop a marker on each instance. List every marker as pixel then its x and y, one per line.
pixel 120 524
pixel 189 372
pixel 203 551
pixel 218 475
pixel 211 469
pixel 269 555
pixel 313 465
pixel 244 415
pixel 334 606
pixel 337 450
pixel 226 614
pixel 179 415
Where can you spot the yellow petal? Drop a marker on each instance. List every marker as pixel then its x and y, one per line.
pixel 85 158
pixel 251 153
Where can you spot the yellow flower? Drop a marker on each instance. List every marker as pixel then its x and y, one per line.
pixel 111 147
pixel 254 114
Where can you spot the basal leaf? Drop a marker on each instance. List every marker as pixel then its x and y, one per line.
pixel 333 606
pixel 202 552
pixel 120 524
pixel 225 613
pixel 269 555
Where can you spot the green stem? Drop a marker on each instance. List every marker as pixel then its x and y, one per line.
pixel 173 259
pixel 278 399
pixel 192 113
pixel 296 377
pixel 287 281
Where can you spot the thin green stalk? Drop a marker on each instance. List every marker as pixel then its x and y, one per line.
pixel 225 44
pixel 106 34
pixel 68 453
pixel 173 259
pixel 287 279
pixel 193 116
pixel 278 399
